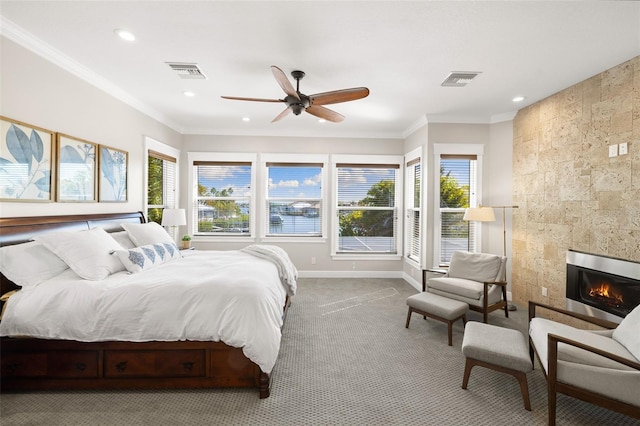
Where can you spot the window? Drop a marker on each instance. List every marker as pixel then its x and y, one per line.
pixel 459 185
pixel 161 184
pixel 366 207
pixel 223 198
pixel 413 171
pixel 294 197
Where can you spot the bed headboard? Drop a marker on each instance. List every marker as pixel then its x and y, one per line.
pixel 17 230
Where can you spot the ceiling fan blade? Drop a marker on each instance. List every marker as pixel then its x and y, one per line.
pixel 235 98
pixel 282 115
pixel 326 113
pixel 284 82
pixel 337 96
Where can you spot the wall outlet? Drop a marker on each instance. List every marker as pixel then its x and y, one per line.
pixel 613 150
pixel 544 291
pixel 623 149
pixel 313 260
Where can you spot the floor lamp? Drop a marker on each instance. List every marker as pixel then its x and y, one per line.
pixel 486 214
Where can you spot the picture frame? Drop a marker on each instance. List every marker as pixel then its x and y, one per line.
pixel 26 162
pixel 113 168
pixel 77 169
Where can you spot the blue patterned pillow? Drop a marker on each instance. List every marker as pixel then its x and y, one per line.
pixel 140 258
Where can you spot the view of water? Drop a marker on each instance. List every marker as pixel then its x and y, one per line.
pixel 296 225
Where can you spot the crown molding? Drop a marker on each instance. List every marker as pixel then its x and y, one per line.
pixel 420 122
pixel 27 40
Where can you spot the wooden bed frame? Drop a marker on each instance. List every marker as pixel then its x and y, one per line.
pixel 31 364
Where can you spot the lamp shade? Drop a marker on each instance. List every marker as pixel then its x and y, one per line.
pixel 479 214
pixel 174 217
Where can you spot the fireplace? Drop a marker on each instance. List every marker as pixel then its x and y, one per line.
pixel 602 286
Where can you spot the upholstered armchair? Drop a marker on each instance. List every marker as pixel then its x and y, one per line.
pixel 476 279
pixel 600 367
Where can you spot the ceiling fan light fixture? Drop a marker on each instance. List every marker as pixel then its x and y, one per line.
pixel 298 102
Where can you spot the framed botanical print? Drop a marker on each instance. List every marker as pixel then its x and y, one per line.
pixel 112 184
pixel 26 162
pixel 76 169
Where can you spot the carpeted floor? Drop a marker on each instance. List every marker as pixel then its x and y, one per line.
pixel 346 359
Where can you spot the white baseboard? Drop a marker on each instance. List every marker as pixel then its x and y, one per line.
pixel 350 274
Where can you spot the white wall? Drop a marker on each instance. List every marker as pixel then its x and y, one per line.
pixel 37 92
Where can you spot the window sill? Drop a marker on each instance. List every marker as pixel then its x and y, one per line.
pixel 366 257
pixel 230 238
pixel 269 239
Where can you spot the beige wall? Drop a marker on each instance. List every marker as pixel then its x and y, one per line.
pixel 572 195
pixel 35 91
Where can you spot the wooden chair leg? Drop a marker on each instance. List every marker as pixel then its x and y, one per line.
pixel 408 318
pixel 450 332
pixel 522 379
pixel 506 304
pixel 467 371
pixel 551 394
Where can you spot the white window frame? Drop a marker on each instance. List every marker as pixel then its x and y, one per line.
pixel 454 149
pixel 367 159
pixel 151 144
pixel 410 159
pixel 193 157
pixel 263 195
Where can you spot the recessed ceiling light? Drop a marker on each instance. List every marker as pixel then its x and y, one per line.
pixel 322 120
pixel 125 35
pixel 246 119
pixel 518 99
pixel 189 94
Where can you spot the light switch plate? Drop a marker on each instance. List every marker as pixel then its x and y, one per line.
pixel 613 150
pixel 623 149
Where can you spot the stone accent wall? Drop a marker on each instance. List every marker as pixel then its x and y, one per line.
pixel 571 194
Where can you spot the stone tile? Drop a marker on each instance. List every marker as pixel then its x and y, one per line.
pixel 571 194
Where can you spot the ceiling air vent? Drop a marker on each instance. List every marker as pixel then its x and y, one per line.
pixel 190 71
pixel 459 79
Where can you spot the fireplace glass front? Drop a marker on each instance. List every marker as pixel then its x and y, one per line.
pixel 602 286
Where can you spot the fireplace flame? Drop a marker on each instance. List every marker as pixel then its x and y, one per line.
pixel 604 291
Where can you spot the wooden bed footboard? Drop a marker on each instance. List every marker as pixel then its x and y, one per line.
pixel 40 364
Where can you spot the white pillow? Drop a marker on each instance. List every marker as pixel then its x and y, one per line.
pixel 122 237
pixel 88 253
pixel 143 234
pixel 30 263
pixel 140 258
pixel 628 332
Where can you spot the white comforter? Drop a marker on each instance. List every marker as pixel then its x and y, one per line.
pixel 227 296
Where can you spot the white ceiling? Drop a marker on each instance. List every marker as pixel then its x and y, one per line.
pixel 400 50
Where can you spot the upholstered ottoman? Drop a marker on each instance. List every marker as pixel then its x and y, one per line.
pixel 439 308
pixel 497 348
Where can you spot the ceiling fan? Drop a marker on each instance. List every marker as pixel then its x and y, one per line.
pixel 297 102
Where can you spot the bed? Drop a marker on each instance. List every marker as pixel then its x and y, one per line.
pixel 169 348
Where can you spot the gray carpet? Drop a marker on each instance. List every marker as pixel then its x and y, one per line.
pixel 346 359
